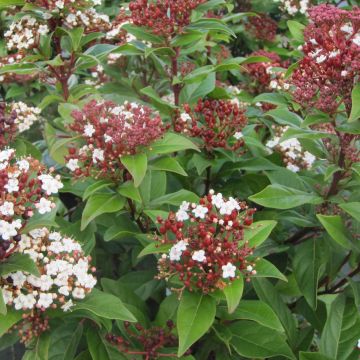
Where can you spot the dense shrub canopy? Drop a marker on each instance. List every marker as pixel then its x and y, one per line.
pixel 180 179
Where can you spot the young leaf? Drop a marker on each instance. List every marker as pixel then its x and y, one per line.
pixel 233 294
pixel 129 190
pixel 136 165
pixel 191 328
pixel 96 187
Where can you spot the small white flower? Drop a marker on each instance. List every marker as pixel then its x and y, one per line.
pixel 320 59
pixel 44 206
pixel 238 135
pixel 199 256
pixel 78 293
pixel 23 165
pixel 45 300
pixel 50 184
pixel 7 208
pixel 98 155
pixel 200 211
pixel 228 270
pixel 347 28
pixel 182 215
pixel 12 185
pixel 249 268
pixel 356 39
pixel 72 164
pixel 89 130
pixel 292 167
pixel 217 200
pixel 344 73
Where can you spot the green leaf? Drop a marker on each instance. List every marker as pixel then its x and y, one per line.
pixel 267 293
pixel 253 340
pixel 172 143
pixel 136 165
pixel 352 208
pixel 99 204
pixel 282 197
pixel 129 190
pixel 355 108
pixel 12 2
pixel 100 349
pixel 176 198
pixel 122 228
pixel 159 51
pixel 271 98
pixel 265 268
pixel 201 309
pixel 96 187
pixel 8 320
pixel 19 262
pixel 168 164
pixel 190 93
pixel 65 340
pixel 313 356
pixel 105 305
pixel 285 117
pixel 163 106
pixel 303 134
pixel 154 248
pixel 39 349
pixel 335 227
pixel 296 30
pixel 306 269
pixel 3 309
pixel 258 232
pixel 233 294
pixel 341 330
pixel 255 310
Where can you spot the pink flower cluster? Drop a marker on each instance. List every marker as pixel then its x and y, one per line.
pixel 207 243
pixel 25 188
pixel 109 132
pixel 218 123
pixel 163 17
pixel 326 75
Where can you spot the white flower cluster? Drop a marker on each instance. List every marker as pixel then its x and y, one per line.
pixel 64 273
pixel 89 19
pixel 292 7
pixel 294 156
pixel 10 205
pixel 24 34
pixel 25 115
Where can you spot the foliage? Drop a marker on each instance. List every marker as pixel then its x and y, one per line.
pixel 209 159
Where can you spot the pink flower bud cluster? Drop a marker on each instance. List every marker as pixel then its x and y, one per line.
pixel 25 189
pixel 64 273
pixel 109 132
pixel 263 74
pixel 163 17
pixel 331 64
pixel 262 27
pixel 291 150
pixel 57 6
pixel 218 123
pixel 208 250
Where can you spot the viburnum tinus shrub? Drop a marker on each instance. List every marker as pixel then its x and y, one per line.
pixel 145 106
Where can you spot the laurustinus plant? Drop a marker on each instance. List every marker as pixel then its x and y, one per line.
pixel 117 118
